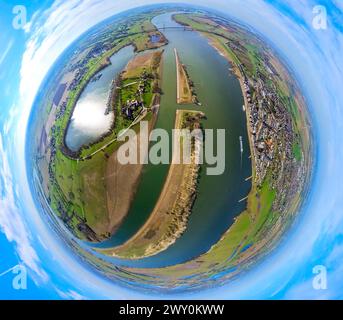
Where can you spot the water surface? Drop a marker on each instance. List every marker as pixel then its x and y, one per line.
pixel 89 119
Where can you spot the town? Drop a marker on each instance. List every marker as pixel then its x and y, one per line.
pixel 270 124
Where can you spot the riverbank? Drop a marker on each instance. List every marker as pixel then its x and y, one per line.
pixel 122 182
pixel 169 218
pixel 233 62
pixel 74 97
pixel 184 93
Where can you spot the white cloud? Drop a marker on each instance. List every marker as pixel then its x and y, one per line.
pixel 70 295
pixel 6 51
pixel 10 119
pixel 28 26
pixel 12 223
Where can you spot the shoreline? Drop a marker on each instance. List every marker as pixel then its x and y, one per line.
pixel 75 155
pixel 120 195
pixel 247 110
pixel 169 218
pixel 131 174
pixel 155 101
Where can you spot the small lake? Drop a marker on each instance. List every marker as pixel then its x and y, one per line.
pixel 89 120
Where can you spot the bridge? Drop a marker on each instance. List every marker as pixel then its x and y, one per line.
pixel 162 28
pixel 158 29
pixel 184 28
pixel 176 28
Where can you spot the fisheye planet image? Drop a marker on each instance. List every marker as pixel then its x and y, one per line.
pixel 157 150
pixel 174 69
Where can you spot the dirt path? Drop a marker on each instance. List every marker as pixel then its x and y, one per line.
pixel 184 92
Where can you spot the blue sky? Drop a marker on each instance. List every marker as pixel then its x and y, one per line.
pixel 315 239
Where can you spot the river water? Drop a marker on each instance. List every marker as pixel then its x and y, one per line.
pixel 217 203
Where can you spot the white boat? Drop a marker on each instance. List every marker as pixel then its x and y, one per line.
pixel 241 143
